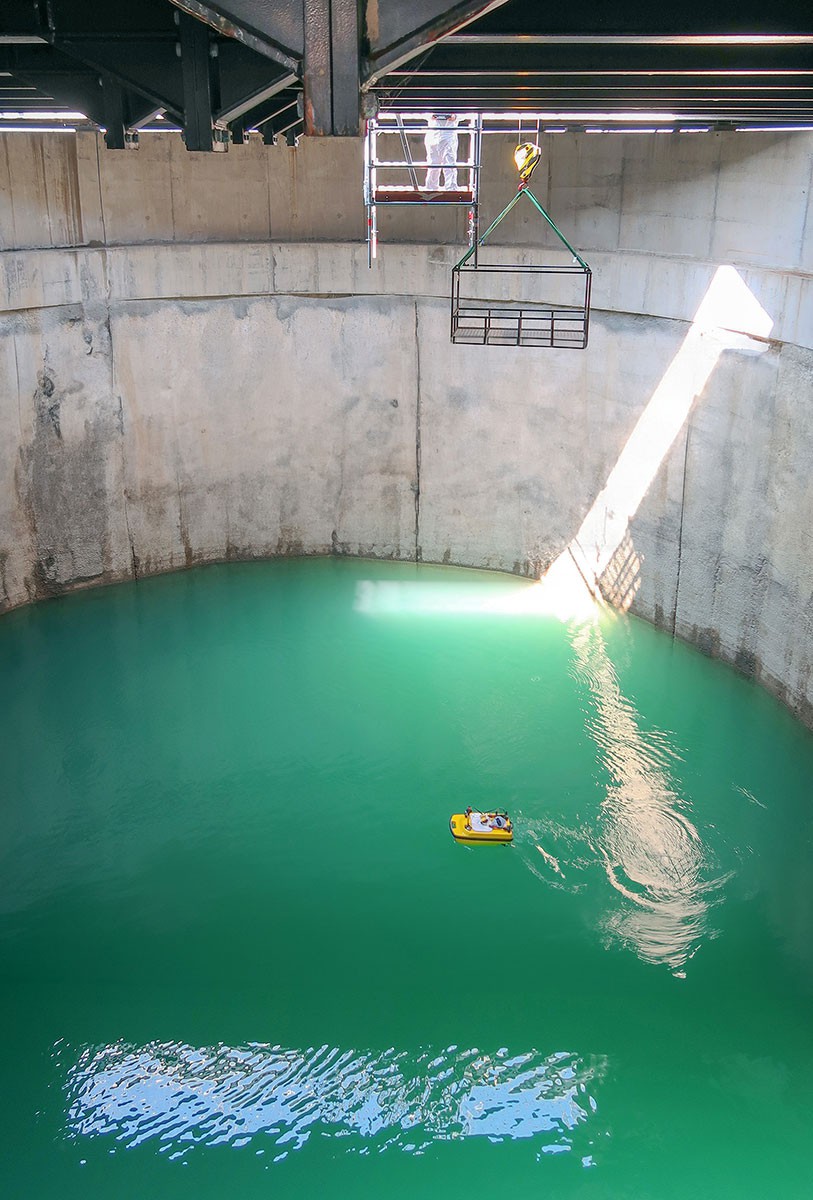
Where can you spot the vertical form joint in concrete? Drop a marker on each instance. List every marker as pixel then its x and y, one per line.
pixel 680 527
pixel 416 487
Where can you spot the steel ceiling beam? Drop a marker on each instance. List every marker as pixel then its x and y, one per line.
pixel 20 24
pixel 316 41
pixel 331 67
pixel 148 76
pixel 196 70
pixel 272 110
pixel 74 85
pixel 743 57
pixel 145 118
pixel 445 21
pixel 256 100
pixel 77 91
pixel 634 39
pixel 345 48
pixel 505 62
pixel 317 69
pixel 275 32
pixel 115 55
pixel 244 74
pixel 280 120
pixel 115 119
pixel 521 55
pixel 597 17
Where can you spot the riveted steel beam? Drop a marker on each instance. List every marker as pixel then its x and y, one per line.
pixel 742 58
pixel 440 20
pixel 331 68
pixel 197 84
pixel 254 101
pixel 473 54
pixel 114 114
pixel 71 88
pixel 272 30
pixel 345 67
pixel 153 75
pixel 317 64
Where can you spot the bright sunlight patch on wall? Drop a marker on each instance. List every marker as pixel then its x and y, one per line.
pixel 729 317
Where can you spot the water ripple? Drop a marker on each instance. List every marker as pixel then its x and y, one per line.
pixel 179 1097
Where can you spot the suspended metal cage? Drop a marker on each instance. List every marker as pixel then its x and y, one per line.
pixel 510 304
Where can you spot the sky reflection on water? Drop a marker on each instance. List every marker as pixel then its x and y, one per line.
pixel 180 1097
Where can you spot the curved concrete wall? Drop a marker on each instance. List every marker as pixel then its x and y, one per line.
pixel 170 400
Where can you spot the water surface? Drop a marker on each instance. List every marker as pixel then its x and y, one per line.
pixel 239 950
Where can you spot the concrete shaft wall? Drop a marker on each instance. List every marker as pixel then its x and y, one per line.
pixel 185 379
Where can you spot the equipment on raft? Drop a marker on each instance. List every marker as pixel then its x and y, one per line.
pixel 474 826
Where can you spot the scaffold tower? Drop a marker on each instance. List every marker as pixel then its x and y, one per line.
pixel 397 169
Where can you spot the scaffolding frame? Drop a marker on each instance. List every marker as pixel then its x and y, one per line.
pixel 520 323
pixel 384 192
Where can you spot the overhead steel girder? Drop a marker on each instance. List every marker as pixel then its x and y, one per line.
pixel 79 86
pixel 394 39
pixel 469 53
pixel 739 57
pixel 198 83
pixel 480 91
pixel 283 103
pixel 331 67
pixel 689 19
pixel 764 77
pixel 247 81
pixel 115 114
pixel 141 68
pixel 249 106
pixel 78 90
pixel 21 24
pixel 668 107
pixel 131 61
pixel 277 117
pixel 320 42
pixel 274 31
pixel 316 41
pixel 149 76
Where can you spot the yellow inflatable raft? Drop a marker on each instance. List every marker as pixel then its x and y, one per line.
pixel 474 826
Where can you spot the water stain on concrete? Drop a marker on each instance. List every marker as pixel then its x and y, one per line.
pixel 61 482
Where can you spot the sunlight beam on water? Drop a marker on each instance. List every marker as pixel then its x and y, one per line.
pixel 468 598
pixel 652 853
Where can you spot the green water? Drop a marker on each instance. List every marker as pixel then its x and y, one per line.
pixel 241 954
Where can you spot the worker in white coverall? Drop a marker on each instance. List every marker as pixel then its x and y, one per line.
pixel 441 151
